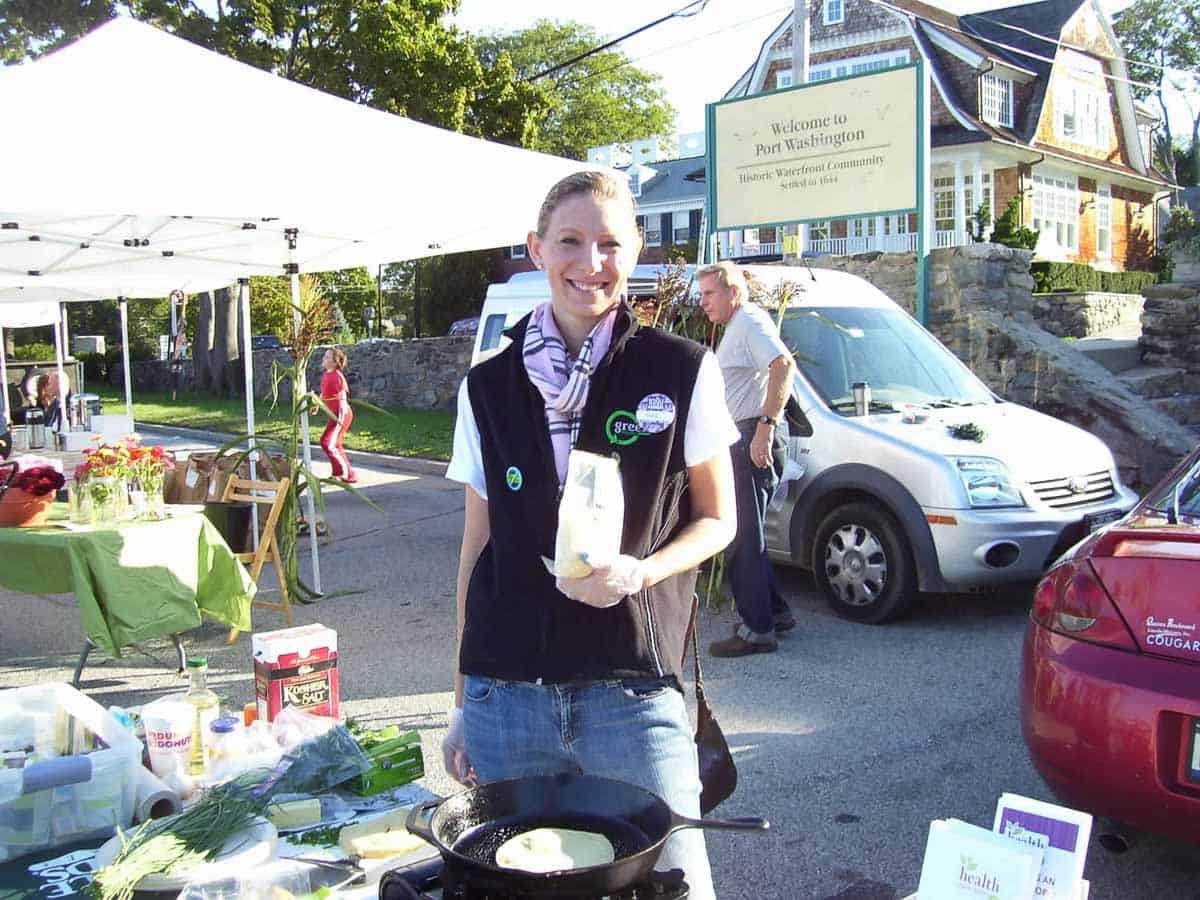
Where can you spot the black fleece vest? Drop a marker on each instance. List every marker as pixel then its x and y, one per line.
pixel 518 625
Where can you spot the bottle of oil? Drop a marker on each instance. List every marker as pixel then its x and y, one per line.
pixel 207 707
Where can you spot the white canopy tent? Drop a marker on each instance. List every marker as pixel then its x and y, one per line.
pixel 146 158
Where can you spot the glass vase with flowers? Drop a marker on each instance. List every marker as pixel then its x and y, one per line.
pixel 148 468
pixel 103 475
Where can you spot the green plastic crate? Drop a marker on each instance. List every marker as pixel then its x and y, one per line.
pixel 395 762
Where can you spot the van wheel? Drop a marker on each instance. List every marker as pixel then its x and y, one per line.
pixel 863 565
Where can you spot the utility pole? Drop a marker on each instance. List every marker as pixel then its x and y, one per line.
pixel 800 42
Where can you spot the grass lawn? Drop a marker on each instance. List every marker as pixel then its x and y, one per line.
pixel 404 432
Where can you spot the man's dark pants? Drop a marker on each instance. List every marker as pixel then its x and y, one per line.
pixel 750 572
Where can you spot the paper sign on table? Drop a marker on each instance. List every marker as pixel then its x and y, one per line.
pixel 971 863
pixel 1061 833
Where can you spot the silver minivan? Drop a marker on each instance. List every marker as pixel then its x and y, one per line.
pixel 932 484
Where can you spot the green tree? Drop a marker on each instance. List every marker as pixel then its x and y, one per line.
pixel 599 100
pixel 352 291
pixel 29 26
pixel 1010 232
pixel 401 56
pixel 1164 32
pixel 431 293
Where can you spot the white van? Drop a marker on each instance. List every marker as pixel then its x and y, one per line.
pixel 507 302
pixel 938 485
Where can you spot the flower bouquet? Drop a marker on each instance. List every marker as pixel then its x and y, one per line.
pixel 102 476
pixel 111 474
pixel 148 468
pixel 30 494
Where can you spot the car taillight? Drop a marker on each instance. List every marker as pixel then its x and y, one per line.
pixel 1072 601
pixel 1045 599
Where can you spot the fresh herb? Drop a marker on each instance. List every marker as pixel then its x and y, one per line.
pixel 321 837
pixel 182 841
pixel 968 431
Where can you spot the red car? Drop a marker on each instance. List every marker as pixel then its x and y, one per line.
pixel 1110 676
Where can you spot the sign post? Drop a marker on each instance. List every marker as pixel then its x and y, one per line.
pixel 838 149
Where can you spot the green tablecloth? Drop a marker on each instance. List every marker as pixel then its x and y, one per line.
pixel 135 581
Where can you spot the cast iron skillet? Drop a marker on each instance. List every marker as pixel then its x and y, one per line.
pixel 469 827
pixel 7 477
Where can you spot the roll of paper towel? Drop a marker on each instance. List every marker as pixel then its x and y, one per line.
pixel 151 798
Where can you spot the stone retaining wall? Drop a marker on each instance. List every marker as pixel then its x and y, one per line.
pixel 1170 326
pixel 417 374
pixel 1086 314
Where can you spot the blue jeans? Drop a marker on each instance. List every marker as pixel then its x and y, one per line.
pixel 751 574
pixel 631 730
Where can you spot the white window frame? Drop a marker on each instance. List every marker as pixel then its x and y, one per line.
pixel 997 99
pixel 1056 209
pixel 862 228
pixel 853 65
pixel 517 251
pixel 783 79
pixel 635 181
pixel 1104 221
pixel 943 193
pixel 969 204
pixel 1082 107
pixel 820 231
pixel 840 6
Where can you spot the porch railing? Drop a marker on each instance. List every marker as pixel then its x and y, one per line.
pixel 844 246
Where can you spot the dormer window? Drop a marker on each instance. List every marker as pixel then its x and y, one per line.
pixel 835 12
pixel 997 96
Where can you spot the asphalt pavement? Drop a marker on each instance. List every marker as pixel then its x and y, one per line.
pixel 849 739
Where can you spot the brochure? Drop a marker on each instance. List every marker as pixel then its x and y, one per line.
pixel 965 862
pixel 1060 832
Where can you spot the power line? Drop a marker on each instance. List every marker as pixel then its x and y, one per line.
pixel 676 46
pixel 684 12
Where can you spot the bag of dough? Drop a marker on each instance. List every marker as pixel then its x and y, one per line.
pixel 591 515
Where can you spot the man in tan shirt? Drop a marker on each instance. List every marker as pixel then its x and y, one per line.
pixel 757 367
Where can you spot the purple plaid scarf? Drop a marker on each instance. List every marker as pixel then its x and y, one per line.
pixel 562 382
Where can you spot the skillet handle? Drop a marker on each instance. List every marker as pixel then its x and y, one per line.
pixel 743 823
pixel 418 822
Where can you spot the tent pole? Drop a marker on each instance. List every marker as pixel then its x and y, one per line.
pixel 248 368
pixel 124 304
pixel 62 397
pixel 66 334
pixel 4 384
pixel 310 506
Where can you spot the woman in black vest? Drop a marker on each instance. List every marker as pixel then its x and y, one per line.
pixel 582 675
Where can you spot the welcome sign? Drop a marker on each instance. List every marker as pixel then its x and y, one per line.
pixel 836 149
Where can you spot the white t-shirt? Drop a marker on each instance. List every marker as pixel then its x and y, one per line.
pixel 709 430
pixel 750 344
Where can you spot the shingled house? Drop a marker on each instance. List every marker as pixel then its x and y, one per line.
pixel 1029 101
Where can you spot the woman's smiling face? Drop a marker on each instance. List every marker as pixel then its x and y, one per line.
pixel 589 248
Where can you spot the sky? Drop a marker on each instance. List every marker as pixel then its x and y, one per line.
pixel 699 58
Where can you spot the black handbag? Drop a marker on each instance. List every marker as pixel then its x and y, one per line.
pixel 718 773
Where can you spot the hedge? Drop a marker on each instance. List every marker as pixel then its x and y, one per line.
pixel 1076 278
pixel 33 352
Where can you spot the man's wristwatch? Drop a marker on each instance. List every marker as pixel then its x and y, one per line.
pixel 767 420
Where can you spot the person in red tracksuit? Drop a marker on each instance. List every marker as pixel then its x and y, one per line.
pixel 335 391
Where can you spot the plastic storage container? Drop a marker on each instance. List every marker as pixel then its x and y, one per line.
pixel 77 774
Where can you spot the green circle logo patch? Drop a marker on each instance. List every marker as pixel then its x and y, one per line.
pixel 622 428
pixel 513 478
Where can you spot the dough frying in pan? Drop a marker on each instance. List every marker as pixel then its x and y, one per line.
pixel 554 849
